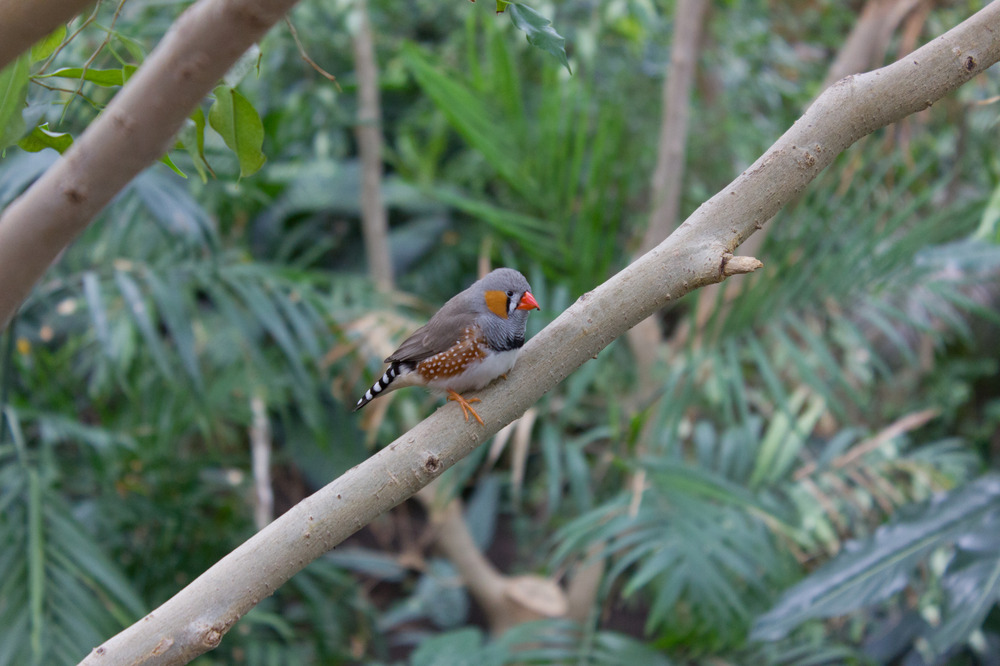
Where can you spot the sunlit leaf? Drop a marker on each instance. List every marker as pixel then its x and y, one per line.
pixel 46 46
pixel 41 138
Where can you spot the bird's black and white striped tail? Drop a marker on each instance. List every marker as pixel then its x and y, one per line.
pixel 379 386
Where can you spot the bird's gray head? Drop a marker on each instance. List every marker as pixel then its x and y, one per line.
pixel 507 298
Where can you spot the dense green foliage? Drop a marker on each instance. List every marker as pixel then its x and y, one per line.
pixel 817 457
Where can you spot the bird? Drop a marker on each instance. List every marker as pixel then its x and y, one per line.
pixel 473 339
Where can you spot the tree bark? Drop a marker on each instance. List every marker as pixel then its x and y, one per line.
pixel 696 254
pixel 27 21
pixel 374 221
pixel 136 128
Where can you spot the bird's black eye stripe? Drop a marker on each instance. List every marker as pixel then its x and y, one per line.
pixel 511 302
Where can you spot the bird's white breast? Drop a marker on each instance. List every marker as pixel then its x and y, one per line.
pixel 478 375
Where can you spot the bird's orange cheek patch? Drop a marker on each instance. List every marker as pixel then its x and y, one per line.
pixel 496 301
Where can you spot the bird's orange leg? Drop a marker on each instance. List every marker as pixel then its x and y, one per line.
pixel 465 405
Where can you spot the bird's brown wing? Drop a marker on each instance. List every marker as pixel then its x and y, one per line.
pixel 443 330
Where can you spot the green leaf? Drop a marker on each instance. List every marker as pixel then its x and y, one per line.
pixel 477 118
pixel 973 592
pixel 173 309
pixel 461 647
pixel 235 119
pixel 192 138
pixel 173 167
pixel 139 310
pixel 47 45
pixel 98 313
pixel 989 225
pixel 878 567
pixel 107 78
pixel 36 560
pixel 538 30
pixel 525 228
pixel 13 93
pixel 41 138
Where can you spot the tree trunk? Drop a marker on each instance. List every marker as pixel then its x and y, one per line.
pixel 374 222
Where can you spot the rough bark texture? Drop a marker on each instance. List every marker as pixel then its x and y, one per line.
pixel 27 21
pixel 374 221
pixel 135 129
pixel 195 619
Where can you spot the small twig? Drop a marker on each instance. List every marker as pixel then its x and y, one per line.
pixel 305 56
pixel 93 56
pixel 71 91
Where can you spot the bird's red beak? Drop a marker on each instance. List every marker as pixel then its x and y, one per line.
pixel 528 302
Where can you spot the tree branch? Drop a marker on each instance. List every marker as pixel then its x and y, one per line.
pixel 374 221
pixel 137 127
pixel 27 21
pixel 195 619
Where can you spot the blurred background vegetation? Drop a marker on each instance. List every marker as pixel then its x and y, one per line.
pixel 805 476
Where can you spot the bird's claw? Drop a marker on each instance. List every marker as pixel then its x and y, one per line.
pixel 466 405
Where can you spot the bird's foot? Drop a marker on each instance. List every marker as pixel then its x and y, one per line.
pixel 465 405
